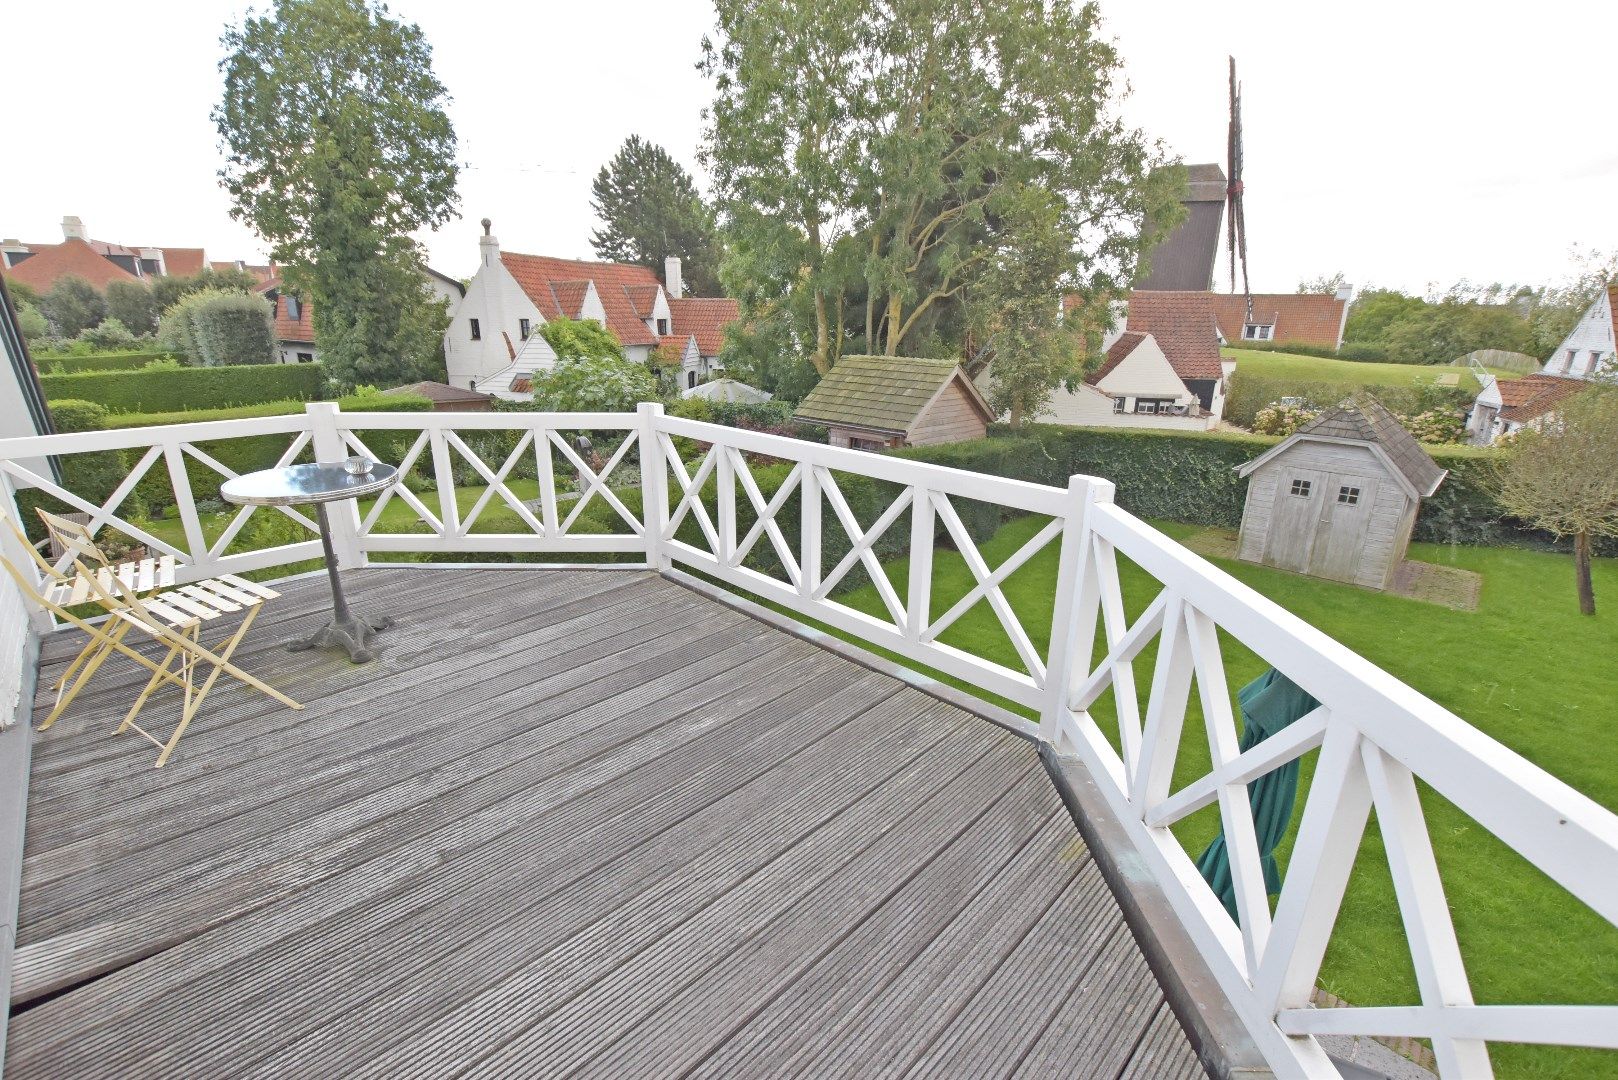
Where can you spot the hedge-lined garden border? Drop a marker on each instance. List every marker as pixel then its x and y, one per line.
pixel 169 389
pixel 109 361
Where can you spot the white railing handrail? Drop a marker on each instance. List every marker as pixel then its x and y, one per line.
pixel 707 512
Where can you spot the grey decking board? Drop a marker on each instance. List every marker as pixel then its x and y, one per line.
pixel 839 989
pixel 570 1035
pixel 262 935
pixel 567 948
pixel 244 863
pixel 636 820
pixel 688 1027
pixel 1164 1053
pixel 319 676
pixel 245 779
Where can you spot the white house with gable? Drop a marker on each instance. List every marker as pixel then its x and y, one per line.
pixel 493 344
pixel 1589 350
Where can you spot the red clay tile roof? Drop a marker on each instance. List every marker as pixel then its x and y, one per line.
pixel 568 298
pixel 302 328
pixel 642 299
pixel 52 262
pixel 705 317
pixel 1305 318
pixel 1612 303
pixel 1531 396
pixel 1126 344
pixel 536 274
pixel 183 262
pixel 1182 324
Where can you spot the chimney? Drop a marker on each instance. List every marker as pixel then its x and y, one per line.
pixel 672 282
pixel 1346 292
pixel 488 247
pixel 73 229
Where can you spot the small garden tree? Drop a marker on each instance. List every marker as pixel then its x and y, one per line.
pixel 132 303
pixel 217 326
pixel 581 339
pixel 1563 477
pixel 594 384
pixel 73 305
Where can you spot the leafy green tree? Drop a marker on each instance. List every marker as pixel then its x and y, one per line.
pixel 338 146
pixel 33 324
pixel 1439 333
pixel 22 292
pixel 580 339
pixel 1017 316
pixel 1375 310
pixel 1560 477
pixel 650 208
pixel 870 158
pixel 73 305
pixel 1325 283
pixel 595 384
pixel 133 305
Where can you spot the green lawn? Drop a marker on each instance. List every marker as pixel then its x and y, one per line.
pixel 1526 668
pixel 1283 365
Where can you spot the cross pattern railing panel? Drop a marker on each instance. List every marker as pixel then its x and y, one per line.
pixel 1123 684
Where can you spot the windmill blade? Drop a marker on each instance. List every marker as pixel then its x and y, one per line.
pixel 1235 217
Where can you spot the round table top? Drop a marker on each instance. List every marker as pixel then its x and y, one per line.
pixel 316 483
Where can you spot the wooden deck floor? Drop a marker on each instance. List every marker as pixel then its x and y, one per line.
pixel 574 822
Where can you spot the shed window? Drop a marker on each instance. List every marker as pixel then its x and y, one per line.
pixel 477 331
pixel 1348 496
pixel 1301 488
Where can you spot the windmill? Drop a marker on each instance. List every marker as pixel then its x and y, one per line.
pixel 1235 223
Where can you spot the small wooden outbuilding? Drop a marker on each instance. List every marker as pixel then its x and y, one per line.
pixel 1339 497
pixel 447 398
pixel 877 402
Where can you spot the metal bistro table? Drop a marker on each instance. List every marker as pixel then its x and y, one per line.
pixel 321 483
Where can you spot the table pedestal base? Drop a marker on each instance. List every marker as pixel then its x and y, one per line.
pixel 351 632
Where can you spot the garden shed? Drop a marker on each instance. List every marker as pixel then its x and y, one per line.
pixel 877 402
pixel 1339 497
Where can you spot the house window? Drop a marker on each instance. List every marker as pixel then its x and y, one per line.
pixel 477 331
pixel 522 329
pixel 1301 488
pixel 292 308
pixel 1567 361
pixel 1152 405
pixel 1258 331
pixel 1595 360
pixel 1118 404
pixel 662 327
pixel 1348 496
pixel 306 358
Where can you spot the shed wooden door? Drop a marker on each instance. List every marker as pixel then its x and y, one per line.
pixel 1345 520
pixel 1294 519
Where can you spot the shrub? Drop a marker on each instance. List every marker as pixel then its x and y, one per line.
pixel 33 325
pixel 111 336
pixel 72 305
pixel 1250 392
pixel 132 304
pixel 64 364
pixel 158 389
pixel 1279 419
pixel 594 384
pixel 214 327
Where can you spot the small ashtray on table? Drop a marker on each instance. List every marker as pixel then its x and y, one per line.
pixel 318 484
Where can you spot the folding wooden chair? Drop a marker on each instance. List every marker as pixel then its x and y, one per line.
pixel 73 538
pixel 175 618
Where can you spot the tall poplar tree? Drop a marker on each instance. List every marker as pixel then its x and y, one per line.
pixel 338 146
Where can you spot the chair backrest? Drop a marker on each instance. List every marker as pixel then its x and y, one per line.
pixel 51 572
pixel 73 538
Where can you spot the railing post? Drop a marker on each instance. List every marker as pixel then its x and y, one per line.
pixel 654 476
pixel 725 503
pixel 1078 602
pixel 20 557
pixel 343 518
pixel 919 592
pixel 809 531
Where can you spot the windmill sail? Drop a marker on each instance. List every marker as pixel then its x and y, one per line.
pixel 1235 222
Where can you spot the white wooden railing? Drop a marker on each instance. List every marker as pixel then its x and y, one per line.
pixel 1375 736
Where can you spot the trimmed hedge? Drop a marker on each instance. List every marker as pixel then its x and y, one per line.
pixel 1362 351
pixel 1251 392
pixel 1190 477
pixel 110 361
pixel 169 389
pixel 94 476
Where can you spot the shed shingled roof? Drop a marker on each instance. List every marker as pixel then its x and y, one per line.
pixel 884 393
pixel 1364 419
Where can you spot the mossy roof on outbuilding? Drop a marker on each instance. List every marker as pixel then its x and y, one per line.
pixel 883 393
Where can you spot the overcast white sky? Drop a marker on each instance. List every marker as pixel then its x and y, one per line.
pixel 1404 143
